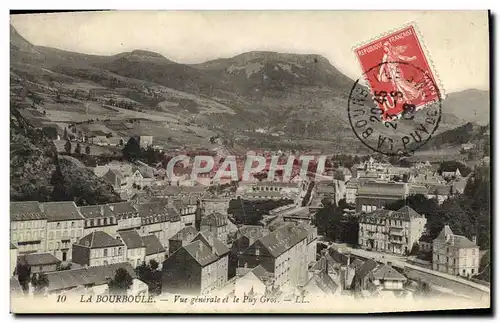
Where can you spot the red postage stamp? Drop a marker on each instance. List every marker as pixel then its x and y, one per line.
pixel 398 73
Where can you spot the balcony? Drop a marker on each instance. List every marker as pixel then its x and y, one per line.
pixel 396 241
pixel 398 233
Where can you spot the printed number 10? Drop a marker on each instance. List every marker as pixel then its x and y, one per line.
pixel 61 298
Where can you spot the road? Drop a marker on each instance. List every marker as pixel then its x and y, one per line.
pixel 455 283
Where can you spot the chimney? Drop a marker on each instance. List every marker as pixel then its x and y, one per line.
pixel 474 239
pixel 101 209
pixel 112 207
pixel 348 258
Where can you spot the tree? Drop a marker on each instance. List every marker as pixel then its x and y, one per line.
pixel 39 283
pixel 67 147
pixel 23 275
pixel 328 221
pixel 132 149
pixel 78 149
pixel 415 249
pixel 121 283
pixel 87 150
pixel 153 264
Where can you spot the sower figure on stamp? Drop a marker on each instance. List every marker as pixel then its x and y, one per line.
pixel 391 72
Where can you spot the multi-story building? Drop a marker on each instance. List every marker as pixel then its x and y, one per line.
pixel 196 268
pixel 217 224
pixel 351 190
pixel 99 218
pixel 186 205
pixel 136 250
pixel 211 205
pixel 159 220
pixel 441 192
pixel 219 271
pixel 181 238
pixel 455 254
pixel 28 226
pixel 65 225
pixel 39 262
pixel 127 216
pixel 391 231
pixel 375 195
pixel 154 250
pixel 285 252
pixel 98 248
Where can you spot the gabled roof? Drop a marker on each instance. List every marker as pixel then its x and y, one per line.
pixel 61 211
pixel 252 232
pixel 121 208
pixel 185 234
pixel 283 239
pixel 96 211
pixel 218 248
pixel 440 189
pixel 97 275
pixel 380 189
pixel 38 259
pixel 113 176
pixel 385 272
pixel 26 211
pixel 200 252
pixel 408 212
pixel 131 239
pixel 215 219
pixel 98 239
pixel 366 268
pixel 262 274
pixel 323 282
pixel 153 245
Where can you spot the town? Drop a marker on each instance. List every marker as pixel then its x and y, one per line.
pixel 349 231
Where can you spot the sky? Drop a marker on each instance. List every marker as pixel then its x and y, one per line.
pixel 457 41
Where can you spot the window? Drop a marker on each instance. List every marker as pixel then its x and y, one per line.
pixel 72 224
pixel 105 262
pixel 91 223
pixel 58 225
pixel 28 236
pixel 120 251
pixel 105 252
pixel 105 221
pixel 51 235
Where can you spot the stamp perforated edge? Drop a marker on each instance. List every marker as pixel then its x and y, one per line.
pixel 428 57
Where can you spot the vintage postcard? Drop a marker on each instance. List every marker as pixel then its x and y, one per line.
pixel 250 162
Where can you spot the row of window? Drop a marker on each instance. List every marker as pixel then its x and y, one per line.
pixel 66 234
pixel 28 224
pixel 100 221
pixel 28 236
pixel 107 252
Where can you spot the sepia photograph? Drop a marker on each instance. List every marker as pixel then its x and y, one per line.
pixel 250 162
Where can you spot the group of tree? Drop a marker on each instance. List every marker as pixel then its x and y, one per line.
pixel 149 274
pixel 132 151
pixel 39 281
pixel 78 148
pixel 331 222
pixel 120 283
pixel 467 214
pixel 251 212
pixel 452 165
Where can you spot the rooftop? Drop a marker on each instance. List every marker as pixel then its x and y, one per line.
pixel 214 219
pixel 380 188
pixel 283 239
pixel 185 234
pixel 26 211
pixel 96 211
pixel 98 275
pixel 61 211
pixel 131 239
pixel 38 259
pixel 98 239
pixel 153 245
pixel 200 252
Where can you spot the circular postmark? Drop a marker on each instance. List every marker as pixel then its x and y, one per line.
pixel 395 115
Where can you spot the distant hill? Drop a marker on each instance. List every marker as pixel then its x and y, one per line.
pixel 476 136
pixel 470 105
pixel 302 96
